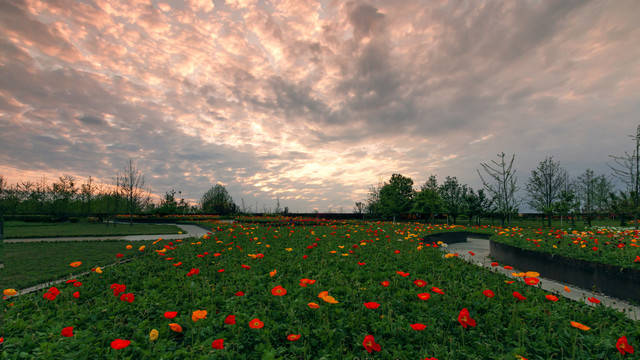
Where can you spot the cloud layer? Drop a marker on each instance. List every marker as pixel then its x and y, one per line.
pixel 309 101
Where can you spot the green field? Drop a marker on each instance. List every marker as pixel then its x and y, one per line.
pixel 28 264
pixel 19 229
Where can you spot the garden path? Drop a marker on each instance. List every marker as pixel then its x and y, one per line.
pixel 480 247
pixel 190 231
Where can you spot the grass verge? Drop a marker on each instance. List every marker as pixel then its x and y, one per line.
pixel 18 229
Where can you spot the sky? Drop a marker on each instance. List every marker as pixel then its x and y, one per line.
pixel 313 102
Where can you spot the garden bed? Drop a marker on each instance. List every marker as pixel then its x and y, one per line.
pixel 611 280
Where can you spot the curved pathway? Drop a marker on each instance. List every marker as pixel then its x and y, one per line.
pixel 190 231
pixel 480 247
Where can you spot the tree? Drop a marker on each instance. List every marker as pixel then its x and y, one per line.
pixel 452 194
pixel 622 204
pixel 476 204
pixel 3 186
pixel 396 196
pixel 593 194
pixel 503 186
pixel 627 169
pixel 62 192
pixel 545 185
pixel 428 200
pixel 217 201
pixel 373 198
pixel 133 185
pixel 87 190
pixel 359 208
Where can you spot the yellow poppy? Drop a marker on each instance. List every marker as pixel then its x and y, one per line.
pixel 141 248
pixel 289 249
pixel 153 335
pixel 532 274
pixel 76 263
pixel 99 270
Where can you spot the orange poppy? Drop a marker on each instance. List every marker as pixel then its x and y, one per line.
pixel 76 263
pixel 293 337
pixel 175 327
pixel 580 326
pixel 551 297
pixel 199 315
pixel 313 305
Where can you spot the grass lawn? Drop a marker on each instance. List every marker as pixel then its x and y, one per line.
pixel 28 264
pixel 19 229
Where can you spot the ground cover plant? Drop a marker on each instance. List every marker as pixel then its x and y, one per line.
pixel 333 290
pixel 27 264
pixel 19 229
pixel 612 246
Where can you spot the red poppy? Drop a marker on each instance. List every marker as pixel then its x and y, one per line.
pixel 49 296
pixel 239 293
pixel 230 320
pixel 170 314
pixel 488 293
pixel 119 255
pixel 278 291
pixel 401 273
pixel 371 305
pixel 397 251
pixel 53 291
pixel 246 267
pixel 623 346
pixel 77 284
pixel 119 344
pixel 361 263
pixel 221 270
pixel 637 259
pixel 551 297
pixel 418 327
pixel 67 332
pixel 465 318
pixel 76 295
pixel 118 288
pixel 424 296
pixel 594 248
pixel 593 300
pixel 420 283
pixel 384 283
pixel 508 267
pixel 127 297
pixel 256 324
pixel 531 281
pixel 305 256
pixel 193 272
pixel 218 344
pixel 436 290
pixel 70 281
pixel 472 253
pixel 494 264
pixel 370 345
pixel 519 296
pixel 293 337
pixel 178 263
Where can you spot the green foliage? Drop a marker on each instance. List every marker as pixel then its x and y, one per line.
pixel 217 201
pixel 396 196
pixel 347 259
pixel 17 229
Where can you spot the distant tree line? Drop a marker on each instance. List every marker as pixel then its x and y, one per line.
pixel 549 191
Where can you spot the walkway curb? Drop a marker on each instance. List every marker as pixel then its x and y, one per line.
pixel 480 247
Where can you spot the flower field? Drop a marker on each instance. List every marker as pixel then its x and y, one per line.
pixel 333 290
pixel 618 247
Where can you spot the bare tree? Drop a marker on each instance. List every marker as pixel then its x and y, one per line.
pixel 133 185
pixel 593 193
pixel 503 186
pixel 545 185
pixel 3 186
pixel 87 190
pixel 627 169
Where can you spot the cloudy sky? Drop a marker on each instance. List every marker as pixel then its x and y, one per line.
pixel 313 101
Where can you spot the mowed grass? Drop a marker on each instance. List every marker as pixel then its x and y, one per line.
pixel 28 264
pixel 19 229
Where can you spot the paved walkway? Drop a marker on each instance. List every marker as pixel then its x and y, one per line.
pixel 189 231
pixel 480 247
